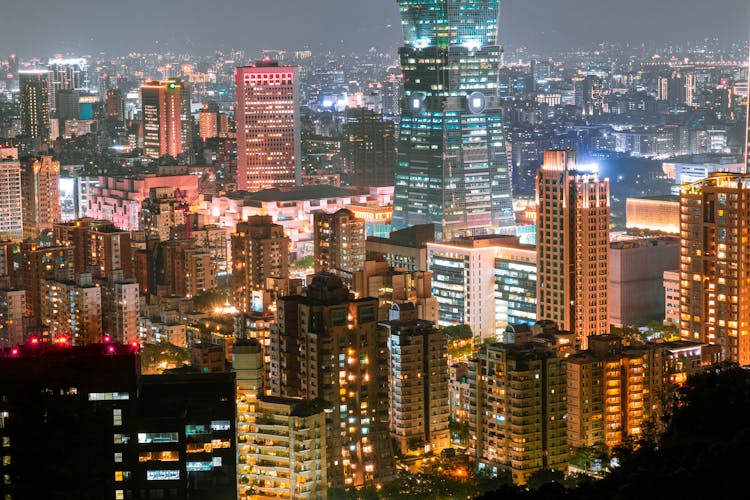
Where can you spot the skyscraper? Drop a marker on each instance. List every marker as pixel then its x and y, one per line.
pixel 66 74
pixel 747 127
pixel 34 87
pixel 369 148
pixel 11 218
pixel 268 129
pixel 572 245
pixel 714 254
pixel 166 114
pixel 452 169
pixel 40 186
pixel 339 242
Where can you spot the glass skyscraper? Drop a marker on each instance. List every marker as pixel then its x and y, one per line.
pixel 452 166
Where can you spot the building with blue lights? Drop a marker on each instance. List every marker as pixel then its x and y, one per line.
pixel 452 168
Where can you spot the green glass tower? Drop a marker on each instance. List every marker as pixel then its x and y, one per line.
pixel 452 166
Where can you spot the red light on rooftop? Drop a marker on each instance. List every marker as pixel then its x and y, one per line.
pixel 34 341
pixel 111 349
pixel 14 351
pixel 107 339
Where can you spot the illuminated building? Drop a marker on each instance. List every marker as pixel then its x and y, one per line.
pixel 458 397
pixel 339 242
pixel 40 186
pixel 11 214
pixel 518 407
pixel 714 288
pixel 463 282
pixel 369 148
pixel 73 309
pixel 268 129
pixel 185 269
pixel 396 286
pixel 40 263
pixel 211 122
pixel 35 109
pixel 377 218
pixel 326 345
pixel 120 307
pixel 419 410
pixel 64 75
pixel 98 247
pixel 12 312
pixel 119 199
pixel 572 245
pixel 747 130
pixel 636 271
pixel 163 211
pixel 671 285
pixel 281 442
pixel 114 105
pixel 405 249
pixel 612 391
pixel 166 118
pixel 260 250
pixel 452 167
pixel 593 98
pixel 655 213
pixel 515 283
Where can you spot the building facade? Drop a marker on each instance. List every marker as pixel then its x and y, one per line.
pixel 339 242
pixel 11 213
pixel 452 168
pixel 165 107
pixel 40 186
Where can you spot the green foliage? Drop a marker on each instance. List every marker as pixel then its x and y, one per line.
pixel 152 355
pixel 304 263
pixel 457 332
pixel 207 300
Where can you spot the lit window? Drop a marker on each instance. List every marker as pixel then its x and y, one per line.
pixel 119 495
pixel 118 457
pixel 117 416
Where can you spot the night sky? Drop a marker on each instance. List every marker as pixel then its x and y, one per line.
pixel 43 27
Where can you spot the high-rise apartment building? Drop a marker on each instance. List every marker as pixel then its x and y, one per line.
pixel 452 168
pixel 268 129
pixel 281 442
pixel 369 148
pixel 12 312
pixel 37 263
pixel 339 242
pixel 165 107
pixel 66 74
pixel 212 123
pixel 327 345
pixel 515 283
pixel 612 391
pixel 572 246
pixel 72 309
pixel 35 109
pixel 40 187
pixel 593 97
pixel 418 384
pixel 260 250
pixel 518 406
pixel 185 269
pixel 11 213
pixel 714 252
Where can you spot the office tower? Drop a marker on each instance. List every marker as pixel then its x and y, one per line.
pixel 66 75
pixel 518 406
pixel 11 214
pixel 452 167
pixel 636 272
pixel 612 391
pixel 593 98
pixel 515 283
pixel 267 425
pixel 572 246
pixel 653 213
pixel 369 148
pixel 268 129
pixel 40 263
pixel 211 122
pixel 166 118
pixel 713 254
pixel 184 268
pixel 396 287
pixel 114 105
pixel 260 250
pixel 72 309
pixel 339 242
pixel 418 383
pixel 35 110
pixel 327 345
pixel 463 282
pixel 405 249
pixel 40 186
pixel 12 312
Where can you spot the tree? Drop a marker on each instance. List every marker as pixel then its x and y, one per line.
pixel 457 332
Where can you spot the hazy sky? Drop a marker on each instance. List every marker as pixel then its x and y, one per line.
pixel 41 27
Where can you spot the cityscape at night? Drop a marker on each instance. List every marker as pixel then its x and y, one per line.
pixel 439 249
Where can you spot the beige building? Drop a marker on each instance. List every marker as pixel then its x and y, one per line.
pixel 419 408
pixel 612 391
pixel 11 214
pixel 186 269
pixel 40 185
pixel 395 286
pixel 572 246
pixel 714 254
pixel 260 250
pixel 671 284
pixel 339 242
pixel 12 312
pixel 654 213
pixel 518 407
pixel 73 309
